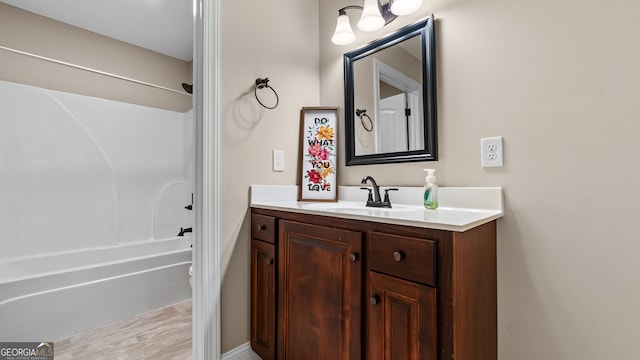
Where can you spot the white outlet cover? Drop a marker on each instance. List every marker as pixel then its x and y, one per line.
pixel 491 151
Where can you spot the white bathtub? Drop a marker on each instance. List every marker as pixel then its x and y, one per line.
pixel 50 297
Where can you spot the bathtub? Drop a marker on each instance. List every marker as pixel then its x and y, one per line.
pixel 47 298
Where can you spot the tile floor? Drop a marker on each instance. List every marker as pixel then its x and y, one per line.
pixel 163 334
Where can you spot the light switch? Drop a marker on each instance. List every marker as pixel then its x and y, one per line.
pixel 278 160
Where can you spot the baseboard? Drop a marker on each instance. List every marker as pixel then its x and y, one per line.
pixel 242 352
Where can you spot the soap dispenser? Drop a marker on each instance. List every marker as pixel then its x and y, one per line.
pixel 430 190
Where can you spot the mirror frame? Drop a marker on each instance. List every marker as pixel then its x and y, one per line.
pixel 425 29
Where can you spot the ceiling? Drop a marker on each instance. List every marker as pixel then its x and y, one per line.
pixel 164 26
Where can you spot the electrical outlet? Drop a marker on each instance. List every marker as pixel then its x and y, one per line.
pixel 278 160
pixel 491 151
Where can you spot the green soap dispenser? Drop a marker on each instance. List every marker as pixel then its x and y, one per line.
pixel 430 190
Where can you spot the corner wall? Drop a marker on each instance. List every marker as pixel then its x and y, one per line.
pixel 278 40
pixel 558 80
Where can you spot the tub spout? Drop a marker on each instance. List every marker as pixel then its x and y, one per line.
pixel 184 230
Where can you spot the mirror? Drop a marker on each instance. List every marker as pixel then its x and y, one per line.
pixel 390 98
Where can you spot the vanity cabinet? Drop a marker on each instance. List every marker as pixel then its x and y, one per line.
pixel 355 289
pixel 401 319
pixel 263 286
pixel 319 292
pixel 402 309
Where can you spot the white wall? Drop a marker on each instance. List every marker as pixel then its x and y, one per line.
pixel 559 80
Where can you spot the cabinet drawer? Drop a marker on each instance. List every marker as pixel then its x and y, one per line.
pixel 263 228
pixel 405 257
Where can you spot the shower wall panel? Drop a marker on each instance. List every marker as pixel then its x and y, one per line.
pixel 79 172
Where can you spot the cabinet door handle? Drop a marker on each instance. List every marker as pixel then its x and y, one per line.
pixel 269 262
pixel 398 255
pixel 374 300
pixel 353 257
pixel 262 227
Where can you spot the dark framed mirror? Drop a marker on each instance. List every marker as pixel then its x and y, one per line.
pixel 390 98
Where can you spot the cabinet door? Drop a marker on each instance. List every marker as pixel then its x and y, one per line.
pixel 319 293
pixel 401 319
pixel 263 299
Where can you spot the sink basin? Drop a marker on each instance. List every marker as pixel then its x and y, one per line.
pixel 351 206
pixel 322 205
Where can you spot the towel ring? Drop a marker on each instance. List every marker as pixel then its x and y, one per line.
pixel 264 84
pixel 362 113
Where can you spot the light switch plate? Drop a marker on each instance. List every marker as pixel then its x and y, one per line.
pixel 278 160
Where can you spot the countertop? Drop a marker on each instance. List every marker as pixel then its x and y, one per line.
pixel 461 208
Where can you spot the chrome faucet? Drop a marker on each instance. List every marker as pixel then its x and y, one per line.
pixel 377 202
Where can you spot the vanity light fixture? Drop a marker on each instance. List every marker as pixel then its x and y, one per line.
pixel 371 19
pixel 405 7
pixel 374 17
pixel 344 34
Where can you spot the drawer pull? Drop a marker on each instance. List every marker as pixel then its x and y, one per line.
pixel 398 255
pixel 353 257
pixel 269 262
pixel 262 227
pixel 374 300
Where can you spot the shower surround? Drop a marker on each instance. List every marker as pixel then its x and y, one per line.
pixel 92 197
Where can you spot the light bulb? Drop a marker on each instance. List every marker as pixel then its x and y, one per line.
pixel 371 19
pixel 344 34
pixel 405 7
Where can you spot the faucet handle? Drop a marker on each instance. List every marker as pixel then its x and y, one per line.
pixel 370 198
pixel 386 202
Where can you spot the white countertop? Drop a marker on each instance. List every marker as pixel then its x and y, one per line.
pixel 461 208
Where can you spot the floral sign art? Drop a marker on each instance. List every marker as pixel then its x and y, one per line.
pixel 318 154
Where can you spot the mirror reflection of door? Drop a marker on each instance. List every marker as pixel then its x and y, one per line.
pixel 393 124
pixel 398 108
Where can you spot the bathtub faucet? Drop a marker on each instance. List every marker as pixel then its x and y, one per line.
pixel 183 231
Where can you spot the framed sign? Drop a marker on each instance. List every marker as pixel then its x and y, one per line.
pixel 318 143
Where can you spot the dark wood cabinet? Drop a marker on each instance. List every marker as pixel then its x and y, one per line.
pixel 351 289
pixel 402 310
pixel 319 292
pixel 263 299
pixel 401 319
pixel 263 285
